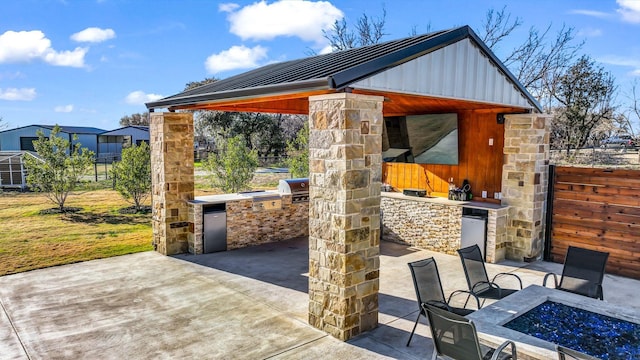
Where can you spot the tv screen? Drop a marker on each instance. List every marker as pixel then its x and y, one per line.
pixel 421 139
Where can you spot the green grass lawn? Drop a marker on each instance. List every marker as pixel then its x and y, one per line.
pixel 31 240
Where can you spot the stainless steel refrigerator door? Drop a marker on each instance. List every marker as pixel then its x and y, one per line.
pixel 474 232
pixel 215 231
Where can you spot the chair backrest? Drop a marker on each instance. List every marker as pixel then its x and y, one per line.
pixel 583 271
pixel 473 265
pixel 453 335
pixel 426 281
pixel 569 354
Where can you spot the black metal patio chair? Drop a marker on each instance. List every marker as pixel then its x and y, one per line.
pixel 456 337
pixel 569 354
pixel 477 278
pixel 426 282
pixel 582 273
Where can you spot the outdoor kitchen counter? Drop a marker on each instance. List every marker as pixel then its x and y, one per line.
pixel 223 198
pixel 251 218
pixel 445 201
pixel 435 223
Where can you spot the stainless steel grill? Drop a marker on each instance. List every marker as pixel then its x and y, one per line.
pixel 298 188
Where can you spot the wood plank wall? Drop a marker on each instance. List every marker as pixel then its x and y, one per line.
pixel 478 162
pixel 599 210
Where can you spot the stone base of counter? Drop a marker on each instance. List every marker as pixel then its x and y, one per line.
pixel 423 225
pixel 246 227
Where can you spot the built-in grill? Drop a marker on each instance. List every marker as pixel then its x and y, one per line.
pixel 298 188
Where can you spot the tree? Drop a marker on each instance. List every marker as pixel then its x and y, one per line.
pixel 133 174
pixel 540 60
pixel 138 119
pixel 62 167
pixel 298 151
pixel 3 124
pixel 233 167
pixel 585 95
pixel 368 31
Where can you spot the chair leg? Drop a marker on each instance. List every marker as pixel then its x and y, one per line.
pixel 435 354
pixel 414 327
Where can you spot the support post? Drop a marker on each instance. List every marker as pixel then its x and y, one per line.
pixel 345 162
pixel 172 180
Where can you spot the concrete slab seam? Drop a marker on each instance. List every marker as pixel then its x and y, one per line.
pixel 15 331
pixel 296 347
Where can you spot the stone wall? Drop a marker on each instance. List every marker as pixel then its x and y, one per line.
pixel 345 157
pixel 421 224
pixel 246 227
pixel 172 180
pixel 496 248
pixel 524 183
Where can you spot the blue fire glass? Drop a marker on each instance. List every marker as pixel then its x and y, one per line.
pixel 598 335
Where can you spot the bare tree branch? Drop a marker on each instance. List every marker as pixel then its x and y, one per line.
pixel 496 26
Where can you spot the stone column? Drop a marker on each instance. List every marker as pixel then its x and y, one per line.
pixel 524 183
pixel 345 160
pixel 171 138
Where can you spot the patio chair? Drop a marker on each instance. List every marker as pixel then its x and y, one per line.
pixel 477 278
pixel 426 282
pixel 582 273
pixel 569 354
pixel 456 337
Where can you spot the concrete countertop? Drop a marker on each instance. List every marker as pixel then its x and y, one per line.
pixel 222 198
pixel 444 201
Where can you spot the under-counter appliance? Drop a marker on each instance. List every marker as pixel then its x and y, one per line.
pixel 214 228
pixel 474 232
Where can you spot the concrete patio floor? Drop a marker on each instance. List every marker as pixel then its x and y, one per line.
pixel 242 304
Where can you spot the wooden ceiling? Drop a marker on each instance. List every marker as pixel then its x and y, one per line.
pixel 395 104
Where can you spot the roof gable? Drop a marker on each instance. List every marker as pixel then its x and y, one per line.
pixel 336 71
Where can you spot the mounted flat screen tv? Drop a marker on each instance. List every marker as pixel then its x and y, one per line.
pixel 421 139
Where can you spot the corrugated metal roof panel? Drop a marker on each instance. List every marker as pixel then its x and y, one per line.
pixel 459 71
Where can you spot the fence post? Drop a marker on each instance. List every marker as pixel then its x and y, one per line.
pixel 549 215
pixel 95 169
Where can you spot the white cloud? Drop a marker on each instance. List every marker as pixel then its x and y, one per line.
pixel 25 46
pixel 93 35
pixel 237 57
pixel 592 13
pixel 227 7
pixel 64 108
pixel 13 94
pixel 630 10
pixel 623 61
pixel 300 18
pixel 140 97
pixel 590 32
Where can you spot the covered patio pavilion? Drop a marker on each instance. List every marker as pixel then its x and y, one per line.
pixel 347 95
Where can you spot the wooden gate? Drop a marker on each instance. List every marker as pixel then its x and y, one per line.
pixel 597 209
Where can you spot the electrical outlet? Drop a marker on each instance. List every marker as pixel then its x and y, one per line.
pixel 484 194
pixel 490 141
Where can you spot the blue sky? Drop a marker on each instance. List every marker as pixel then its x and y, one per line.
pixel 91 62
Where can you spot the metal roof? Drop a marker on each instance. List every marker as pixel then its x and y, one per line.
pixel 66 129
pixel 334 71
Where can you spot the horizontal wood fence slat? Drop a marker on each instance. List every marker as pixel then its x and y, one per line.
pixel 598 209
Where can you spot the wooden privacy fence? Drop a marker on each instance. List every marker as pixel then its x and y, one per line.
pixel 597 209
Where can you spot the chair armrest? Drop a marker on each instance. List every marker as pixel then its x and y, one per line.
pixel 469 293
pixel 510 274
pixel 555 280
pixel 514 354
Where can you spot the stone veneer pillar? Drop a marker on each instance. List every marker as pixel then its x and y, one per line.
pixel 524 183
pixel 345 161
pixel 172 179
